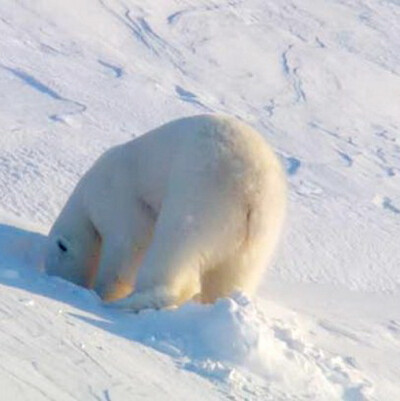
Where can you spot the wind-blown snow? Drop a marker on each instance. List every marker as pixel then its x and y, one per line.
pixel 321 80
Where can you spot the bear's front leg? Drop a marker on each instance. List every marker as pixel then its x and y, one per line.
pixel 168 276
pixel 116 271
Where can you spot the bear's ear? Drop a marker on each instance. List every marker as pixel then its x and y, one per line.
pixel 62 244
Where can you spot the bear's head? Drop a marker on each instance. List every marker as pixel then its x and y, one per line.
pixel 73 253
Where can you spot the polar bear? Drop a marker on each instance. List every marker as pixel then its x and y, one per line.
pixel 191 210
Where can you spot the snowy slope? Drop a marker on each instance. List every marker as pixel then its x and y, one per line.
pixel 321 80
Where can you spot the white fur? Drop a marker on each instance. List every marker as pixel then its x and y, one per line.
pixel 193 208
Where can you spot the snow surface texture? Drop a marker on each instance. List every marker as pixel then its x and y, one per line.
pixel 321 80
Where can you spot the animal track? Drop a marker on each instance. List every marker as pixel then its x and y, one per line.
pixel 386 203
pixel 44 89
pixel 346 158
pixel 189 97
pixel 393 326
pixel 292 74
pixel 292 165
pixel 340 370
pixel 115 70
pixel 33 82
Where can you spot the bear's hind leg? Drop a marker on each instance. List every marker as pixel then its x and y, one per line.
pixel 237 273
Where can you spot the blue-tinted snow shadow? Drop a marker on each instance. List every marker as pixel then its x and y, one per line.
pixel 197 331
pixel 22 255
pixel 22 266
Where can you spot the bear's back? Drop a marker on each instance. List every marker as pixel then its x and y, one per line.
pixel 145 163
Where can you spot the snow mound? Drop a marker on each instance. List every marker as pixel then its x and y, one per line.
pixel 234 342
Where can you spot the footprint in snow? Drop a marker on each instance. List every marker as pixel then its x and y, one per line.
pixel 292 165
pixel 307 188
pixel 346 159
pixel 189 97
pixel 386 203
pixel 116 71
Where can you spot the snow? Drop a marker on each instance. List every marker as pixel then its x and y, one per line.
pixel 321 80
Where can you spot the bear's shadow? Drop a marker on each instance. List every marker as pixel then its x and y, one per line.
pixel 21 266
